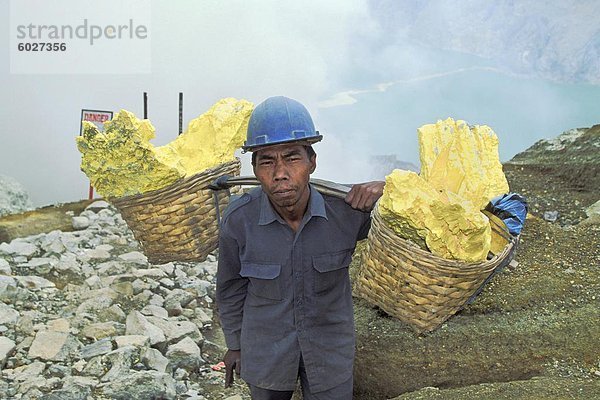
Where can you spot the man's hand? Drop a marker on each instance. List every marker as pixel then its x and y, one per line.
pixel 363 196
pixel 232 361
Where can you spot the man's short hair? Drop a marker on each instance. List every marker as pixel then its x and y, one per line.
pixel 309 151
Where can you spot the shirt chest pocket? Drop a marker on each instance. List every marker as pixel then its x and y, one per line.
pixel 264 279
pixel 331 271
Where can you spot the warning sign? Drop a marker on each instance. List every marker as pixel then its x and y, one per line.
pixel 96 117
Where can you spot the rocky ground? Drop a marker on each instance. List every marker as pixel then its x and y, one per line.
pixel 84 316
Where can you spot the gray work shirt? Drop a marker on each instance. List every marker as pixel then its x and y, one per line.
pixel 283 294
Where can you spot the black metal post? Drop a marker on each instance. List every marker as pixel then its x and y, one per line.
pixel 145 105
pixel 180 112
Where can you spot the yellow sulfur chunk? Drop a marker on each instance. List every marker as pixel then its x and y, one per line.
pixel 121 161
pixel 462 160
pixel 212 138
pixel 449 226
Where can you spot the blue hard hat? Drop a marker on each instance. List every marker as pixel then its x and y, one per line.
pixel 279 120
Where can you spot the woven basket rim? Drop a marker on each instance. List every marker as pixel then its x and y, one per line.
pixel 441 263
pixel 184 182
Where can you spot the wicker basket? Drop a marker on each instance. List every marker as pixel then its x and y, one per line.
pixel 414 285
pixel 178 222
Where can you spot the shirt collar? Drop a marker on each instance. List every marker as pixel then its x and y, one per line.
pixel 316 208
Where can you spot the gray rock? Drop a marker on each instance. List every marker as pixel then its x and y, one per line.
pixel 54 346
pixel 59 325
pixel 80 222
pixel 132 340
pixel 103 300
pixel 19 259
pixel 51 243
pixel 177 299
pixel 155 273
pixel 18 247
pixel 57 370
pixel 137 324
pixel 210 267
pixel 174 330
pixel 204 315
pixel 180 274
pixel 112 313
pixel 41 265
pixel 96 367
pixel 68 262
pixel 71 242
pixel 143 298
pixel 111 268
pixel 168 283
pixel 100 330
pixel 27 372
pixel 121 361
pixel 31 388
pixel 86 381
pixel 107 213
pixel 97 205
pixel 7 347
pixel 551 216
pixel 154 310
pixel 102 346
pixel 93 255
pixel 79 366
pixel 73 391
pixel 141 385
pixel 181 374
pixel 123 288
pixel 25 324
pixel 134 257
pixel 98 293
pixel 25 344
pixel 139 286
pixel 185 354
pixel 106 247
pixel 593 210
pixel 5 267
pixel 34 282
pixel 156 300
pixel 7 282
pixel 94 282
pixel 13 197
pixel 8 315
pixel 168 268
pixel 199 286
pixel 153 359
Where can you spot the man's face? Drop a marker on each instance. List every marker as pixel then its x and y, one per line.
pixel 284 172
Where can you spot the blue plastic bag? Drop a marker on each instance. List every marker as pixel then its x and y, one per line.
pixel 512 209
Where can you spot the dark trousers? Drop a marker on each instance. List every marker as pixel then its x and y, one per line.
pixel 341 392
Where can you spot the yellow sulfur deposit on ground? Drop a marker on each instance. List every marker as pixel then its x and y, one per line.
pixel 440 208
pixel 121 161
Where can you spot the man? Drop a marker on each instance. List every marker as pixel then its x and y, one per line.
pixel 283 289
